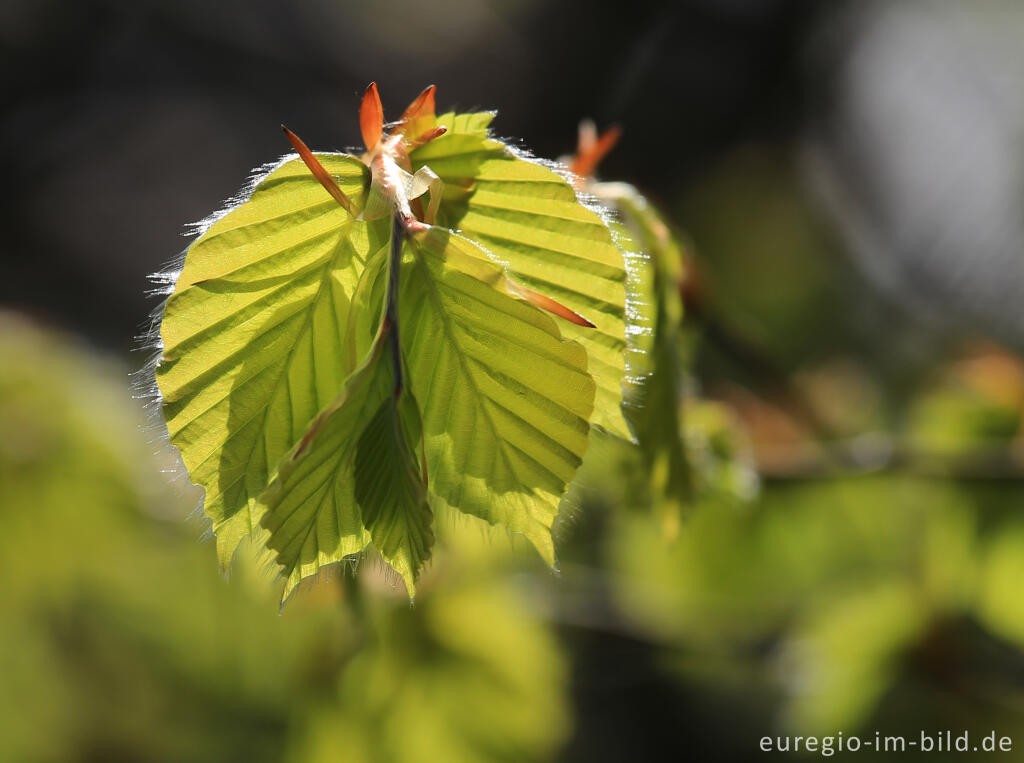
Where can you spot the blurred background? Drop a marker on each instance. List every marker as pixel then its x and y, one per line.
pixel 847 179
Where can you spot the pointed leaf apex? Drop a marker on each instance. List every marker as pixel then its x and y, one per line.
pixel 409 579
pixel 371 117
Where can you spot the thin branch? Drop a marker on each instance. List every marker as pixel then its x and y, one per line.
pixel 881 453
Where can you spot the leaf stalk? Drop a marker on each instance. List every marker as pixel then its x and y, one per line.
pixel 398 225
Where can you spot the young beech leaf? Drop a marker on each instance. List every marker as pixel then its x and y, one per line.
pixel 655 405
pixel 529 217
pixel 337 359
pixel 505 400
pixel 657 409
pixel 391 487
pixel 354 477
pixel 504 404
pixel 253 334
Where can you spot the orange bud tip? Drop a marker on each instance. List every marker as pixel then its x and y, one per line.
pixel 422 106
pixel 371 117
pixel 591 152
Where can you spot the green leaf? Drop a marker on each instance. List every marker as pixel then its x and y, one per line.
pixel 655 400
pixel 353 478
pixel 390 488
pixel 530 219
pixel 252 332
pixel 307 434
pixel 505 407
pixel 505 399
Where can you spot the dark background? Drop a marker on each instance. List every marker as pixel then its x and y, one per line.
pixel 123 121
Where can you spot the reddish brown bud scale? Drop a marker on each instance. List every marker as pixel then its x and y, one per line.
pixel 371 123
pixel 415 125
pixel 429 135
pixel 550 305
pixel 328 182
pixel 371 117
pixel 589 156
pixel 421 107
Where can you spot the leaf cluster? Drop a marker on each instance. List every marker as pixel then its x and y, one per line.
pixel 365 342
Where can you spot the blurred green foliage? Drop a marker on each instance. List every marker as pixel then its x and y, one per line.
pixel 120 641
pixel 464 676
pixel 852 600
pixel 828 596
pixel 773 266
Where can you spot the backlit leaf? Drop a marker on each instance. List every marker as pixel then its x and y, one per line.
pixel 252 334
pixel 529 217
pixel 655 399
pixel 353 478
pixel 505 400
pixel 362 341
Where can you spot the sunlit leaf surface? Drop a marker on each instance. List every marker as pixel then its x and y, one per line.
pixel 487 267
